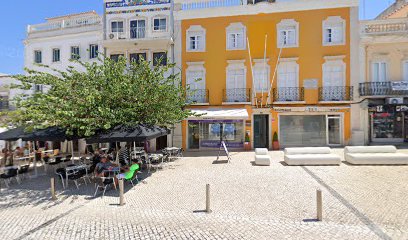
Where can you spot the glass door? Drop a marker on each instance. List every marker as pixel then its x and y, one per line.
pixel 261 131
pixel 334 130
pixel 194 135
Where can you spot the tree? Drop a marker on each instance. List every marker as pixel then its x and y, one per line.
pixel 100 96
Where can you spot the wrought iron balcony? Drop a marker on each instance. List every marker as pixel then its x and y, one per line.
pixel 379 89
pixel 289 94
pixel 197 96
pixel 237 95
pixel 137 32
pixel 335 94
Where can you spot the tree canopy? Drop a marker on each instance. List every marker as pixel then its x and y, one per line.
pixel 100 95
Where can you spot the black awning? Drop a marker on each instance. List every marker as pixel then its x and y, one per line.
pixel 122 133
pixel 48 134
pixel 13 134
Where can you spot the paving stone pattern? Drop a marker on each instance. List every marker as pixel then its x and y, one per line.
pixel 247 202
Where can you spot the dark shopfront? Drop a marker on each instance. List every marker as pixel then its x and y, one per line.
pixel 388 123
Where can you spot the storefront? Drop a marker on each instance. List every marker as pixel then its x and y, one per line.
pixel 214 126
pixel 388 123
pixel 311 127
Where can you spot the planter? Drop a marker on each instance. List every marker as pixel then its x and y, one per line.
pixel 275 145
pixel 247 146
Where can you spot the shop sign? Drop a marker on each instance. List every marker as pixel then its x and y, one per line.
pixel 309 109
pixel 399 86
pixel 403 108
pixel 216 144
pixel 310 83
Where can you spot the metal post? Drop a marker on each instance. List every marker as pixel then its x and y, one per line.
pixel 121 190
pixel 207 202
pixel 319 205
pixel 53 196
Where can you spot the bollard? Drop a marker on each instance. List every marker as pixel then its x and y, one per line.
pixel 319 205
pixel 53 196
pixel 121 190
pixel 207 198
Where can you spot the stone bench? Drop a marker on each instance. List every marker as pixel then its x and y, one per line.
pixel 374 155
pixel 311 156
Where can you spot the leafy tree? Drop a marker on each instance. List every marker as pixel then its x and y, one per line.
pixel 101 95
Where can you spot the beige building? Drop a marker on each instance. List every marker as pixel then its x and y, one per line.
pixel 383 87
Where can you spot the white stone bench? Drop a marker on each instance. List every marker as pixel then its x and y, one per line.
pixel 262 157
pixel 374 155
pixel 311 156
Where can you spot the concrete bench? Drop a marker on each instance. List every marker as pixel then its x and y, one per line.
pixel 374 155
pixel 262 157
pixel 311 156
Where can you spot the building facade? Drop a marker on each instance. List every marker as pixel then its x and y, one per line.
pixel 384 76
pixel 265 67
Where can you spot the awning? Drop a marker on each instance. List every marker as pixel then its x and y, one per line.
pixel 219 113
pixel 12 134
pixel 55 134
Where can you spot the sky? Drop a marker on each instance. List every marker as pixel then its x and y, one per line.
pixel 15 16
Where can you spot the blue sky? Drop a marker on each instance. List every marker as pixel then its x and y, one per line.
pixel 17 15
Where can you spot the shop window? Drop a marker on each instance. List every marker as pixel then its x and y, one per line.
pixel 302 130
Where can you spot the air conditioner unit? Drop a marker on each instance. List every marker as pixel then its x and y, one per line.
pixel 117 36
pixel 394 100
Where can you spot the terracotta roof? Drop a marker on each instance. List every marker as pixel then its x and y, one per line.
pixel 72 15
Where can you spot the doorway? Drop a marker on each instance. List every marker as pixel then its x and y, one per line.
pixel 261 131
pixel 194 135
pixel 161 142
pixel 334 130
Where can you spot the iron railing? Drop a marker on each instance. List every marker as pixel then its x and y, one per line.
pixel 198 96
pixel 289 94
pixel 137 32
pixel 379 89
pixel 237 95
pixel 336 93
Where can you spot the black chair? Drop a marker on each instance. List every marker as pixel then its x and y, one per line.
pixel 67 158
pixel 103 185
pixel 10 174
pixel 60 172
pixel 23 170
pixel 57 161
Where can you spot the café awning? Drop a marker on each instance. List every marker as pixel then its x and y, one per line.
pixel 12 134
pixel 219 113
pixel 55 134
pixel 123 133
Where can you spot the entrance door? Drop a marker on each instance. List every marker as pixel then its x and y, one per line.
pixel 333 130
pixel 194 136
pixel 261 131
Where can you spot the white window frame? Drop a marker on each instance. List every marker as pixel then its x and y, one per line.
pixel 196 31
pixel 159 29
pixel 287 25
pixel 117 21
pixel 35 56
pixel 263 68
pixel 235 29
pixel 56 58
pixel 91 49
pixel 330 23
pixel 195 67
pixel 385 62
pixel 78 55
pixel 291 62
pixel 334 61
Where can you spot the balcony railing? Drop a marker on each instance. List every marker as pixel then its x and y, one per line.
pixel 237 95
pixel 137 32
pixel 65 24
pixel 379 89
pixel 288 94
pixel 198 96
pixel 193 5
pixel 335 94
pixel 388 26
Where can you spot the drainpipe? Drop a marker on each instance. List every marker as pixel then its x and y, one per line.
pixel 172 53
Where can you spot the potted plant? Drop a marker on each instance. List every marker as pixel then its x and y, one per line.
pixel 275 141
pixel 247 144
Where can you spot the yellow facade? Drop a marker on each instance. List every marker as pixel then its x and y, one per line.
pixel 310 53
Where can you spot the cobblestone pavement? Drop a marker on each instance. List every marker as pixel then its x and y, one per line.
pixel 248 202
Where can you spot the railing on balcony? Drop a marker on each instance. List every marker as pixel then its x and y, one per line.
pixel 137 32
pixel 390 26
pixel 289 94
pixel 379 89
pixel 198 96
pixel 135 3
pixel 335 94
pixel 237 95
pixel 193 5
pixel 64 24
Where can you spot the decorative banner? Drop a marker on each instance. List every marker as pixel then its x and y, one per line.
pixel 131 3
pixel 399 86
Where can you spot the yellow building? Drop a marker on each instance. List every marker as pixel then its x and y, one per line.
pixel 283 67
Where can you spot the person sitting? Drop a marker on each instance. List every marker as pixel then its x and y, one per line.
pixel 104 164
pixel 129 172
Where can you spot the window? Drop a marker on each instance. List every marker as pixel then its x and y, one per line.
pixel 160 24
pixel 288 81
pixel 115 57
pixel 117 26
pixel 160 58
pixel 75 54
pixel 38 88
pixel 236 82
pixel 137 29
pixel 4 103
pixel 236 36
pixel 333 31
pixel 93 51
pixel 379 72
pixel 55 55
pixel 288 33
pixel 137 57
pixel 334 74
pixel 37 56
pixel 196 39
pixel 261 76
